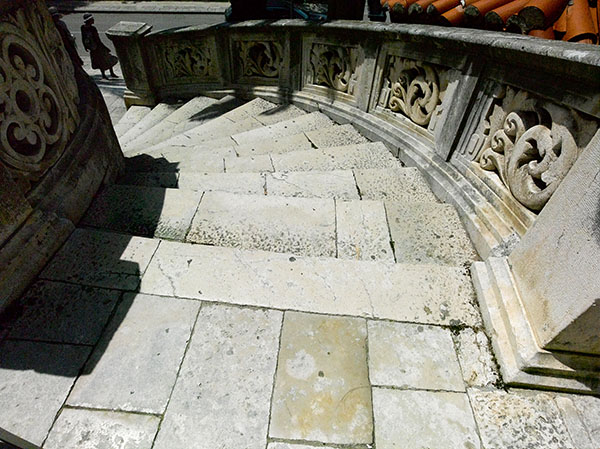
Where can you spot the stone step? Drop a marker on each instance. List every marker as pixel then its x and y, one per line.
pixel 155 116
pixel 405 184
pixel 417 293
pixel 165 128
pixel 132 117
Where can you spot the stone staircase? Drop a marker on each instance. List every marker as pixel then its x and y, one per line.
pixel 270 279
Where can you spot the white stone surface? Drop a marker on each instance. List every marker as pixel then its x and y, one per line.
pixel 102 259
pixel 251 109
pixel 476 359
pixel 297 225
pixel 322 390
pixel 96 429
pixel 64 313
pixel 368 155
pixel 296 446
pixel 158 113
pixel 280 113
pixel 405 184
pixel 519 420
pixel 223 393
pixel 202 162
pixel 35 379
pixel 582 417
pixel 422 293
pixel 413 356
pixel 424 420
pixel 336 136
pixel 145 211
pixel 132 117
pixel 362 231
pixel 135 364
pixel 188 153
pixel 429 233
pixel 218 129
pixel 304 123
pixel 249 164
pixel 244 183
pixel 284 144
pixel 331 184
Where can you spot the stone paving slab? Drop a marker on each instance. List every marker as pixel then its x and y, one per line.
pixel 242 183
pixel 223 393
pixel 219 128
pixel 248 164
pixel 64 313
pixel 429 233
pixel 476 358
pixel 368 155
pixel 135 365
pixel 405 184
pixel 336 136
pixel 332 184
pixel 403 292
pixel 96 429
pixel 202 162
pixel 322 391
pixel 519 421
pixel 413 356
pixel 101 259
pixel 362 231
pixel 280 113
pixel 582 417
pixel 163 180
pixel 35 379
pixel 298 225
pixel 188 153
pixel 424 419
pixel 132 117
pixel 304 123
pixel 155 116
pixel 145 211
pixel 222 106
pixel 253 108
pixel 279 445
pixel 296 142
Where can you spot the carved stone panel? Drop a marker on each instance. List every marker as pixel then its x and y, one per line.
pixel 188 61
pixel 262 59
pixel 529 143
pixel 38 109
pixel 333 66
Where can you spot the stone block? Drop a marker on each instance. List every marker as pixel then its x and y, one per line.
pixel 243 183
pixel 248 164
pixel 476 358
pixel 394 184
pixel 314 184
pixel 284 144
pixel 336 136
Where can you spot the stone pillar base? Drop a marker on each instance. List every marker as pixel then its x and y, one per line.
pixel 132 99
pixel 522 361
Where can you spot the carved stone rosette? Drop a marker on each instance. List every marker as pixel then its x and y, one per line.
pixel 531 144
pixel 189 59
pixel 334 67
pixel 38 109
pixel 259 58
pixel 411 88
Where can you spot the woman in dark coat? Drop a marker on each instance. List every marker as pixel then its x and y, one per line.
pixel 101 57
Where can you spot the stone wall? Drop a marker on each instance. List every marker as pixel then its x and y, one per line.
pixel 57 144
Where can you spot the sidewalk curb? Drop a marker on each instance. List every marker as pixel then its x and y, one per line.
pixel 140 7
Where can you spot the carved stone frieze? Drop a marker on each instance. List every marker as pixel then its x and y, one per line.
pixel 189 59
pixel 38 107
pixel 334 67
pixel 531 144
pixel 259 58
pixel 412 88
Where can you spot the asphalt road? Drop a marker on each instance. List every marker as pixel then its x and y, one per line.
pixel 104 21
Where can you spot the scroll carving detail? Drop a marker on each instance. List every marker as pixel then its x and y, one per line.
pixel 334 67
pixel 263 59
pixel 531 144
pixel 38 110
pixel 411 88
pixel 189 60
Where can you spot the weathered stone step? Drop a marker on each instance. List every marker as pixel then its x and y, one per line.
pixel 404 292
pixel 155 116
pixel 132 117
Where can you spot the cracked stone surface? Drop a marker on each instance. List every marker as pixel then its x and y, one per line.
pixel 424 419
pixel 244 183
pixel 362 231
pixel 331 184
pixel 145 211
pixel 35 379
pixel 284 144
pixel 582 417
pixel 96 429
pixel 102 259
pixel 476 359
pixel 135 365
pixel 223 393
pixel 298 225
pixel 429 233
pixel 413 356
pixel 322 390
pixel 248 164
pixel 336 136
pixel 394 184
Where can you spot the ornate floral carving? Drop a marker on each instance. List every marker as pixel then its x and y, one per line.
pixel 38 94
pixel 412 88
pixel 187 59
pixel 531 144
pixel 263 59
pixel 334 67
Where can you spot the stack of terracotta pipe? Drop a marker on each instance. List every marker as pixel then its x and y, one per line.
pixel 568 20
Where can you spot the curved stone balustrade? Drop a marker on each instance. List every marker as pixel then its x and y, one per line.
pixel 57 144
pixel 504 127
